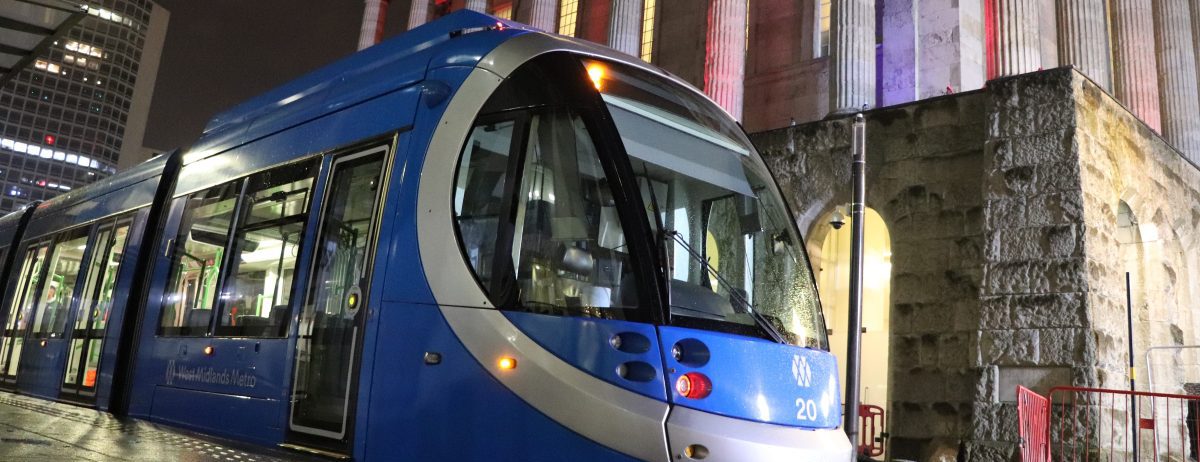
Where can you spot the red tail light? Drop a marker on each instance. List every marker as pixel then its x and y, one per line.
pixel 693 385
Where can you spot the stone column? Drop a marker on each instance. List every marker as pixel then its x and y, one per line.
pixel 543 14
pixel 851 55
pixel 1013 37
pixel 418 13
pixel 1083 39
pixel 1135 66
pixel 374 13
pixel 1177 76
pixel 625 26
pixel 476 5
pixel 725 55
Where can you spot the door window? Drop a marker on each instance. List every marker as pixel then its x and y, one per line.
pixel 20 309
pixel 58 292
pixel 96 303
pixel 331 321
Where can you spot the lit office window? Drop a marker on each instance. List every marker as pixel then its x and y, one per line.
pixel 568 13
pixel 648 31
pixel 823 13
pixel 503 11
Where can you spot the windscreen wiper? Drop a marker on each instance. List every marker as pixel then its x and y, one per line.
pixel 758 318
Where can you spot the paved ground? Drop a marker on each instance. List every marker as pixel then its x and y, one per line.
pixel 32 430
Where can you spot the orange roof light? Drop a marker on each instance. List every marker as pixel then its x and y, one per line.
pixel 507 363
pixel 596 73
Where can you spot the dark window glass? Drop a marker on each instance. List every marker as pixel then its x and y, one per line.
pixel 563 249
pixel 196 256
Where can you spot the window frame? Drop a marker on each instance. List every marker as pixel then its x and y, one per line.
pixel 319 165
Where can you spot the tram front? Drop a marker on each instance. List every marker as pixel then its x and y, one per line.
pixel 636 260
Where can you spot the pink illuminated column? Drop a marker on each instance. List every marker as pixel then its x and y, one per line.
pixel 543 14
pixel 1012 37
pixel 1135 66
pixel 1177 76
pixel 852 55
pixel 625 26
pixel 418 14
pixel 725 54
pixel 374 12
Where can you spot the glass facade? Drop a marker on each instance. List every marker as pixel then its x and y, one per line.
pixel 62 119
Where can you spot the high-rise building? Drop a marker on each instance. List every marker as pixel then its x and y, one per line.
pixel 73 108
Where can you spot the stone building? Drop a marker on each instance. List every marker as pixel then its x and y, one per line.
pixel 1023 156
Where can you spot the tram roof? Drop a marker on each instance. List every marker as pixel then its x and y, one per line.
pixel 146 170
pixel 10 222
pixel 390 65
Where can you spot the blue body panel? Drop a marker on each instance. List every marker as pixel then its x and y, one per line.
pixel 760 380
pixel 586 344
pixel 443 412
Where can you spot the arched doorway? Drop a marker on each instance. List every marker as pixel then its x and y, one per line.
pixel 832 263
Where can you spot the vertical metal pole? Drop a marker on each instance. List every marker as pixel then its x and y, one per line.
pixel 858 166
pixel 1137 432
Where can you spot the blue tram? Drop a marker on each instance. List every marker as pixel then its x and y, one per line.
pixel 472 242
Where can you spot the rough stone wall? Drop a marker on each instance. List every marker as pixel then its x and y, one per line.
pixel 1123 160
pixel 1034 327
pixel 1007 267
pixel 925 171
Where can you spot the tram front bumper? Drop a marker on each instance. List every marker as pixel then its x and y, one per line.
pixel 717 438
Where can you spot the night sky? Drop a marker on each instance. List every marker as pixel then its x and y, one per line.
pixel 221 52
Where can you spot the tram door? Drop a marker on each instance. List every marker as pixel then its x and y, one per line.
pixel 332 319
pixel 91 314
pixel 18 311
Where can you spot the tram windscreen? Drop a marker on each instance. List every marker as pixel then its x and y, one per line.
pixel 736 261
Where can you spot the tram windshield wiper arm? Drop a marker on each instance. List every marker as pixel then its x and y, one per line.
pixel 758 318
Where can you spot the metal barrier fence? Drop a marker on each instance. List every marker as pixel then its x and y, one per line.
pixel 1033 418
pixel 870 435
pixel 1095 424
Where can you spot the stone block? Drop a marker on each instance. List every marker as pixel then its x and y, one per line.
pixel 1038 379
pixel 1036 149
pixel 1038 276
pixel 1044 310
pixel 1009 347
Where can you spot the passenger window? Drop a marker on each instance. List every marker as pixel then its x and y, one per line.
pixel 196 257
pixel 565 252
pixel 267 242
pixel 54 302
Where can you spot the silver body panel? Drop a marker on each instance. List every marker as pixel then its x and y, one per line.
pixel 735 440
